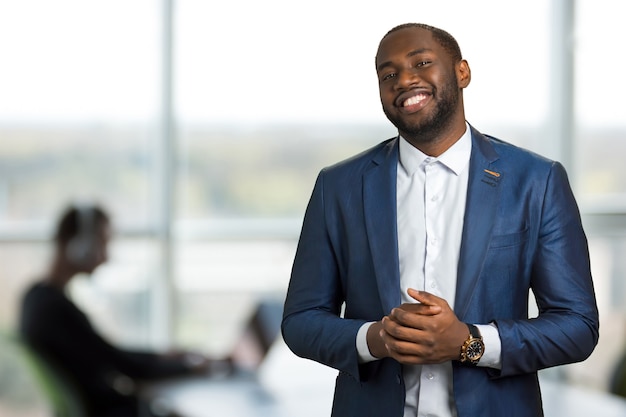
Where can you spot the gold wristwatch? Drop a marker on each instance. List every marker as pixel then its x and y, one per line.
pixel 473 348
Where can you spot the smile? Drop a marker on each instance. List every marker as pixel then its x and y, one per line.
pixel 413 101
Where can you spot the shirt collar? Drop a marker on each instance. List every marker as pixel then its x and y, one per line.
pixel 456 158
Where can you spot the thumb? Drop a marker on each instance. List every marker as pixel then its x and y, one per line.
pixel 426 298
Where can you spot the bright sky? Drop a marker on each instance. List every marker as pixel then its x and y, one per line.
pixel 280 60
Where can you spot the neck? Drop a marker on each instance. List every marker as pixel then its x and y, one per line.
pixel 436 141
pixel 59 273
pixel 434 147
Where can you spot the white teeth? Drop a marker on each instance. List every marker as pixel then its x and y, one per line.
pixel 413 100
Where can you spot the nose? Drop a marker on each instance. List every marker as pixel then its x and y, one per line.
pixel 407 78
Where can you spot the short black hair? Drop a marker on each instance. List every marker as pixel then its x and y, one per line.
pixel 446 40
pixel 70 223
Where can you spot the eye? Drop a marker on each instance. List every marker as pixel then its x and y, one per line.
pixel 388 76
pixel 422 63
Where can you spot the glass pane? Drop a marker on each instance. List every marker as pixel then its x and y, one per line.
pixel 79 121
pixel 262 171
pixel 265 103
pixel 42 168
pixel 600 176
pixel 79 86
pixel 220 282
pixel 608 268
pixel 600 116
pixel 19 269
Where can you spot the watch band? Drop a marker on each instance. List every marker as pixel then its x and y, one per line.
pixel 474 331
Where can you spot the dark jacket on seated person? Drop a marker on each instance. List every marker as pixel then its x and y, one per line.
pixel 56 329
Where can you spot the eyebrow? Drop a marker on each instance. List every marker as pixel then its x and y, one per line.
pixel 409 55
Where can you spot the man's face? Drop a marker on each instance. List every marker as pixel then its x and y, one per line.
pixel 419 88
pixel 98 253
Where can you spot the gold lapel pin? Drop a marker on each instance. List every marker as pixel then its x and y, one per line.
pixel 495 174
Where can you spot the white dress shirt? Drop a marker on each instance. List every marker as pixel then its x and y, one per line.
pixel 431 194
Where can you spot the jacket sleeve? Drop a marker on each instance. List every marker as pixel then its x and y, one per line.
pixel 567 327
pixel 312 325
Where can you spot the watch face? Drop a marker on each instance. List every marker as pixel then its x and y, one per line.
pixel 474 350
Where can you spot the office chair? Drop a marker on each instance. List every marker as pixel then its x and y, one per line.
pixel 61 393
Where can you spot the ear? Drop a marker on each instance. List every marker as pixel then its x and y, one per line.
pixel 463 74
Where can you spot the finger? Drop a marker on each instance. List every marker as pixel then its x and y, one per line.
pixel 426 298
pixel 402 350
pixel 417 308
pixel 402 347
pixel 413 316
pixel 410 330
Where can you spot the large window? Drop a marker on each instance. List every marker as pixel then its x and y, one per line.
pixel 79 114
pixel 600 119
pixel 600 173
pixel 201 127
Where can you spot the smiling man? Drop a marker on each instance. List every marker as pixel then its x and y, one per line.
pixel 428 111
pixel 416 257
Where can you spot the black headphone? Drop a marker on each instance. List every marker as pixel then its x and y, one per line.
pixel 82 248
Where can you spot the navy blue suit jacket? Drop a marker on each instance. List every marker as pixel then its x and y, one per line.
pixel 522 231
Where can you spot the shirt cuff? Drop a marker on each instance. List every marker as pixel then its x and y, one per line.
pixel 361 344
pixel 493 347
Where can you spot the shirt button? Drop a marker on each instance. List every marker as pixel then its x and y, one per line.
pixel 435 197
pixel 433 285
pixel 430 376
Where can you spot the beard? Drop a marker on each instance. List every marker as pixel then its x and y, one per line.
pixel 429 128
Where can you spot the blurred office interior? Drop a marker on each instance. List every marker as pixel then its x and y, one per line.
pixel 201 127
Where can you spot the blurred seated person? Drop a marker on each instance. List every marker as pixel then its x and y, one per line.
pixel 55 328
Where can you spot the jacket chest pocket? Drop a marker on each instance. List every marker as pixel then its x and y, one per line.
pixel 503 241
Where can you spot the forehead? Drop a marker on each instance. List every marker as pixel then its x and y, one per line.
pixel 402 43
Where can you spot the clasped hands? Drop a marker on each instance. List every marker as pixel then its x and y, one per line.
pixel 426 332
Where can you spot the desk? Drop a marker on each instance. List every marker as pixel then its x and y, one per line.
pixel 566 400
pixel 287 386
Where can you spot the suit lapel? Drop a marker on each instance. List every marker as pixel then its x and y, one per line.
pixel 379 205
pixel 483 194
